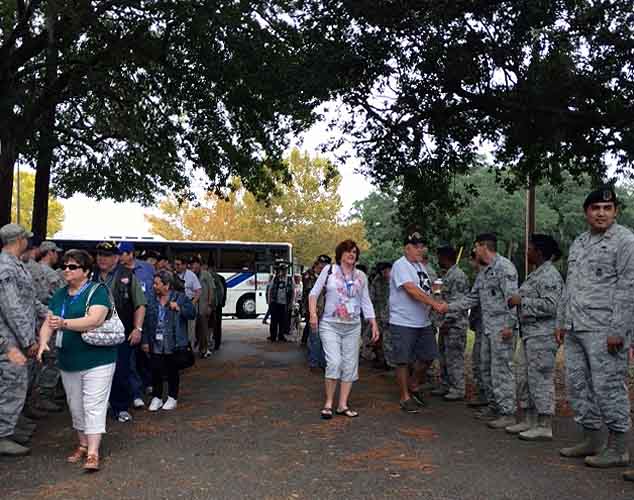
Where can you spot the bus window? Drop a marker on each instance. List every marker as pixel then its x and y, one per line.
pixel 236 260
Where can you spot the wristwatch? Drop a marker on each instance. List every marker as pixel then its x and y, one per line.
pixel 138 328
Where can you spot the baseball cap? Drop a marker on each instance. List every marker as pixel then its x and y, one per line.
pixel 107 248
pixel 324 259
pixel 11 232
pixel 414 238
pixel 125 246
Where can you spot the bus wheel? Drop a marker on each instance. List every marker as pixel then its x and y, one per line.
pixel 246 307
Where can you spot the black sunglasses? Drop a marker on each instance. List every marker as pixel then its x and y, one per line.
pixel 70 267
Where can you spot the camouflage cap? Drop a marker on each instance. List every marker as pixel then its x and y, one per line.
pixel 49 246
pixel 12 232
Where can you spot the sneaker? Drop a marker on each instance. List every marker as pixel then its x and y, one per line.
pixel 124 417
pixel 419 398
pixel 155 404
pixel 502 422
pixel 170 404
pixel 138 403
pixel 410 406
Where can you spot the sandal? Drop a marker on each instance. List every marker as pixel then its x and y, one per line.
pixel 326 413
pixel 347 412
pixel 77 455
pixel 92 463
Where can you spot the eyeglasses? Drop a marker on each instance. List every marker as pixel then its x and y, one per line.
pixel 70 267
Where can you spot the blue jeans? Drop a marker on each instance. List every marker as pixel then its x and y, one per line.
pixel 140 376
pixel 316 356
pixel 121 393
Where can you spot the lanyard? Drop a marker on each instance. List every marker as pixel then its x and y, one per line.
pixel 348 282
pixel 74 298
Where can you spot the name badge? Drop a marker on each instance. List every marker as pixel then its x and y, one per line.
pixel 159 336
pixel 350 308
pixel 58 338
pixel 143 287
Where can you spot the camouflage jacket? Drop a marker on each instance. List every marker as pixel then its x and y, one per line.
pixel 455 287
pixel 380 297
pixel 53 281
pixel 540 294
pixel 493 286
pixel 19 307
pixel 599 283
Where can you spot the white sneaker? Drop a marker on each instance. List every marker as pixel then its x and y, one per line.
pixel 170 404
pixel 138 403
pixel 155 404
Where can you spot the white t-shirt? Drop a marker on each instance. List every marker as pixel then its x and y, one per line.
pixel 404 310
pixel 192 284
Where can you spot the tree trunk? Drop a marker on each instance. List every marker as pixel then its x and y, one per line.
pixel 46 143
pixel 7 162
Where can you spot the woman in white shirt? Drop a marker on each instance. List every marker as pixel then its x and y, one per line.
pixel 346 295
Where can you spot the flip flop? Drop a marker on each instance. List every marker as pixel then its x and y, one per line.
pixel 347 412
pixel 326 413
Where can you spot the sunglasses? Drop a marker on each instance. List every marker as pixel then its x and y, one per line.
pixel 70 267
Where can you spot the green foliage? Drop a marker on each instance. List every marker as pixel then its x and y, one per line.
pixel 26 185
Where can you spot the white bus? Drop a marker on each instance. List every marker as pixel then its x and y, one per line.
pixel 246 266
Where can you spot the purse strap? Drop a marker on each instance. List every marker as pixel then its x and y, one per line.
pixel 92 291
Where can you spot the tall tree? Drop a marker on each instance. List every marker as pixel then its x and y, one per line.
pixel 305 212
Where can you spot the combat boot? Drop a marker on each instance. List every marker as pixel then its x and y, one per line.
pixel 48 406
pixel 502 422
pixel 439 391
pixel 592 444
pixel 478 402
pixel 26 423
pixel 615 454
pixel 628 475
pixel 543 431
pixel 453 396
pixel 20 437
pixel 33 413
pixel 12 449
pixel 487 413
pixel 528 422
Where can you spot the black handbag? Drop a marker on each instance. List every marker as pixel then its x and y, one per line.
pixel 184 357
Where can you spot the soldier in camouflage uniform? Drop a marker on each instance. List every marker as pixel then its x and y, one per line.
pixel 316 356
pixel 494 285
pixel 594 318
pixel 49 376
pixel 380 297
pixel 475 324
pixel 19 310
pixel 538 299
pixel 453 329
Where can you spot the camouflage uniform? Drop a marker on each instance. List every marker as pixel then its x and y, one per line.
pixel 49 376
pixel 452 342
pixel 380 297
pixel 475 324
pixel 597 303
pixel 540 295
pixel 19 310
pixel 493 286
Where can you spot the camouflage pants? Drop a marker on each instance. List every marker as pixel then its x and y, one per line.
pixel 476 368
pixel 597 381
pixel 386 340
pixel 451 347
pixel 497 371
pixel 521 378
pixel 13 386
pixel 540 353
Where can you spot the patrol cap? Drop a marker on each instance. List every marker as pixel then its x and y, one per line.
pixel 49 246
pixel 605 194
pixel 126 246
pixel 12 232
pixel 149 254
pixel 107 248
pixel 324 259
pixel 486 237
pixel 414 238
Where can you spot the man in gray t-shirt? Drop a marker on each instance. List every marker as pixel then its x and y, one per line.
pixel 413 339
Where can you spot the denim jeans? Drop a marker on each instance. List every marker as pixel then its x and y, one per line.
pixel 121 393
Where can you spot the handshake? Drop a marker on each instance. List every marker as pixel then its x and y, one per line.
pixel 440 307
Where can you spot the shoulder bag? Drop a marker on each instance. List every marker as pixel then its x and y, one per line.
pixel 111 332
pixel 321 300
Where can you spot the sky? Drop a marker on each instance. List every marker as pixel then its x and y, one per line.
pixel 86 218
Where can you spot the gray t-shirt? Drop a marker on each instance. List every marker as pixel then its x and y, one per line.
pixel 404 310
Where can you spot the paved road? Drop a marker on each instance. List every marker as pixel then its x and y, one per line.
pixel 247 427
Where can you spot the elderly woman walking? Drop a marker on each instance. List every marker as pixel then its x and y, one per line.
pixel 346 296
pixel 87 370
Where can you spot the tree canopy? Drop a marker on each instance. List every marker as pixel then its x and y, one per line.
pixel 26 184
pixel 306 213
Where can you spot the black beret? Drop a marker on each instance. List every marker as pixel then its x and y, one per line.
pixel 604 194
pixel 486 237
pixel 324 259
